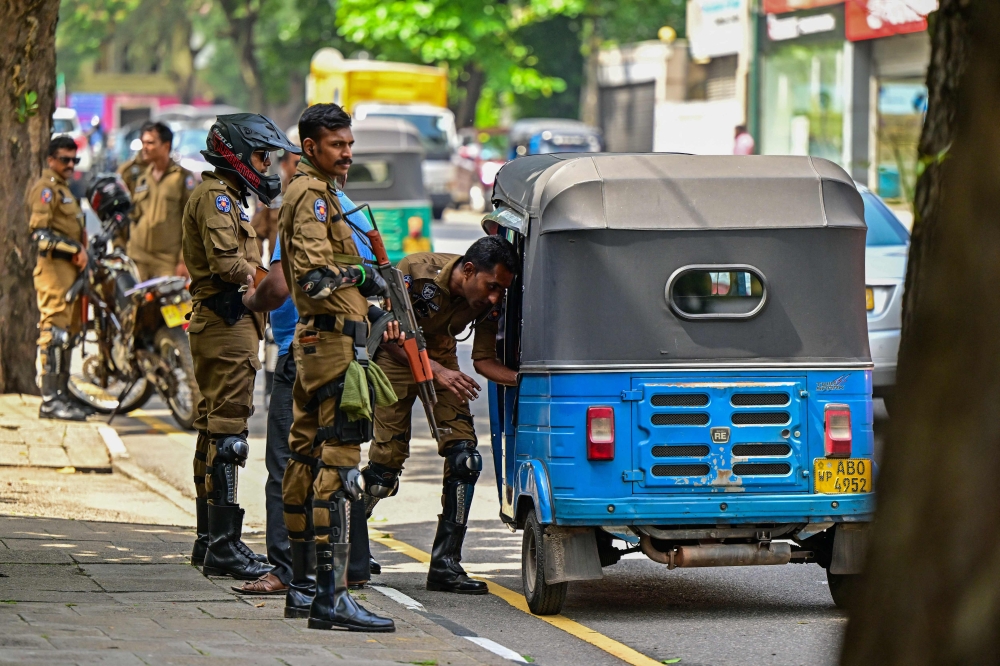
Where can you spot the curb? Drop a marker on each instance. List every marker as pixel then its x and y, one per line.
pixel 132 471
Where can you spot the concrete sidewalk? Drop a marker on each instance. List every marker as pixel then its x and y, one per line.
pixel 86 592
pixel 28 441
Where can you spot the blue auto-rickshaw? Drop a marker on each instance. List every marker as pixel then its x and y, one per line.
pixel 695 379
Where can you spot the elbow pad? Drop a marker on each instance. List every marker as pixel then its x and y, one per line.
pixel 321 282
pixel 47 240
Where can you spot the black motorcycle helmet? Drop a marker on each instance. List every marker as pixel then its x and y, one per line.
pixel 231 141
pixel 108 196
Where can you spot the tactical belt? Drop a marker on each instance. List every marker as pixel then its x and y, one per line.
pixel 358 330
pixel 56 254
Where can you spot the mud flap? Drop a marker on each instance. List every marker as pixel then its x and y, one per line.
pixel 850 546
pixel 571 554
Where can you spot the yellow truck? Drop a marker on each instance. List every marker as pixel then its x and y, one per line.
pixel 417 94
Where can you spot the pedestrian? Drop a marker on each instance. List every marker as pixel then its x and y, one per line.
pixel 448 292
pixel 57 226
pixel 295 566
pixel 744 143
pixel 220 252
pixel 162 191
pixel 329 287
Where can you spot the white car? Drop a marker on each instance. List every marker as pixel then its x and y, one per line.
pixel 886 247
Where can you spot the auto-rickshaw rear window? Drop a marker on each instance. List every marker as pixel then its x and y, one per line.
pixel 370 173
pixel 716 292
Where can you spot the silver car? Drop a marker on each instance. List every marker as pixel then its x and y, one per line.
pixel 887 245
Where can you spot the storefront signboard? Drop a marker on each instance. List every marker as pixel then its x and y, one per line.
pixel 716 27
pixel 782 28
pixel 870 19
pixel 783 6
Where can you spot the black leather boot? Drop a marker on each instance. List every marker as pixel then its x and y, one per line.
pixel 56 404
pixel 201 540
pixel 373 566
pixel 302 587
pixel 333 607
pixel 446 573
pixel 225 557
pixel 462 465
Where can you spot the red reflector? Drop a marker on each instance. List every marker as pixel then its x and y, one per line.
pixel 600 433
pixel 837 427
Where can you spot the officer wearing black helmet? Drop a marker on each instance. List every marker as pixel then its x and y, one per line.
pixel 220 251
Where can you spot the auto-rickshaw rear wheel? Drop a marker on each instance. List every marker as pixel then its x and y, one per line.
pixel 843 588
pixel 543 598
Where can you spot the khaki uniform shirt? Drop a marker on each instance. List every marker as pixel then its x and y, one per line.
pixel 312 231
pixel 51 205
pixel 442 316
pixel 155 235
pixel 218 239
pixel 131 170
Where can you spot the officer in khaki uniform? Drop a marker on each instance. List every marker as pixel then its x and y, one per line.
pixel 57 225
pixel 329 288
pixel 162 191
pixel 131 170
pixel 220 251
pixel 448 292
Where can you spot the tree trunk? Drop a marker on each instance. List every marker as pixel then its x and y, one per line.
pixel 242 17
pixel 590 93
pixel 27 64
pixel 932 592
pixel 465 114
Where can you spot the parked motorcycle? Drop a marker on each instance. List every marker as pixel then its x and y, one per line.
pixel 137 334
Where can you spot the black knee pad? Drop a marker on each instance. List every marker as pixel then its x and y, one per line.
pixel 462 462
pixel 380 481
pixel 350 483
pixel 232 449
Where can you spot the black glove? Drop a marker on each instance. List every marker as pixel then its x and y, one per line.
pixel 373 284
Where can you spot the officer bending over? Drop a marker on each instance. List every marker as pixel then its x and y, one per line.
pixel 448 293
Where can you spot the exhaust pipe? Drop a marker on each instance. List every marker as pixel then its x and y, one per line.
pixel 719 554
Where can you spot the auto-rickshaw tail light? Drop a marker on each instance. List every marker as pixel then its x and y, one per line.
pixel 600 433
pixel 837 426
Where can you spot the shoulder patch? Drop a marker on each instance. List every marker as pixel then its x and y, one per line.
pixel 407 280
pixel 189 182
pixel 135 171
pixel 46 195
pixel 494 314
pixel 319 208
pixel 243 216
pixel 433 306
pixel 223 203
pixel 429 291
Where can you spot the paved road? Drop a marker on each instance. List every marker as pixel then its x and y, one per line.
pixel 767 615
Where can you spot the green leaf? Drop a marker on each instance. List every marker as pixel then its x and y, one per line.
pixel 671 661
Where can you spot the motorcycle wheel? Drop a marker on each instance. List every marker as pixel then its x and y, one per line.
pixel 84 387
pixel 175 350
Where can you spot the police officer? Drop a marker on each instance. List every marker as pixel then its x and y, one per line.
pixel 57 225
pixel 329 288
pixel 448 293
pixel 131 170
pixel 162 191
pixel 220 251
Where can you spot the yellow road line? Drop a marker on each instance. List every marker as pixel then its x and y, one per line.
pixel 156 423
pixel 584 633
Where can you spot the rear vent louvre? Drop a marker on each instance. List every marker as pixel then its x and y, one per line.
pixel 696 419
pixel 760 399
pixel 760 418
pixel 680 470
pixel 692 451
pixel 746 450
pixel 761 469
pixel 680 400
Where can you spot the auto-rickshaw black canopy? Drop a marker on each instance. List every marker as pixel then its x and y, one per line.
pixel 605 233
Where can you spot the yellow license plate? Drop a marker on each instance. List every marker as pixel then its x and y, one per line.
pixel 869 299
pixel 174 315
pixel 843 475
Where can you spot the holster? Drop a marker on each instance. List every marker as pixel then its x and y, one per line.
pixel 227 304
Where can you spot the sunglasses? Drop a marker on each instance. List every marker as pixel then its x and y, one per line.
pixel 68 160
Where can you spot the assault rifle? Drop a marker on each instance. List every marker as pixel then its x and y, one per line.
pixel 414 343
